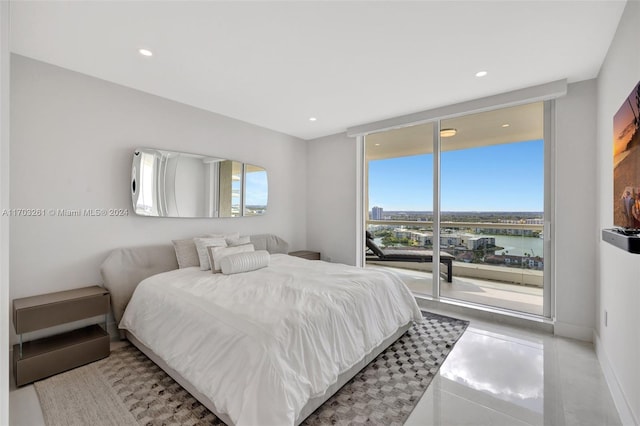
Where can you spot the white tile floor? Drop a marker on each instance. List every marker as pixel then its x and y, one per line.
pixel 503 375
pixel 495 375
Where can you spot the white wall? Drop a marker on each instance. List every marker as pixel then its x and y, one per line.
pixel 72 142
pixel 331 203
pixel 575 211
pixel 618 274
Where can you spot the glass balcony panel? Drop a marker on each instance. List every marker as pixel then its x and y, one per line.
pixel 503 271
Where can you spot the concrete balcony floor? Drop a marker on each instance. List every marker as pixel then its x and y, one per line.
pixel 515 297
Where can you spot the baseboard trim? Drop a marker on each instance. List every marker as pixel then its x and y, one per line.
pixel 572 331
pixel 622 405
pixel 487 314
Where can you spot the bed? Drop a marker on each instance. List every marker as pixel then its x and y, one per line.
pixel 265 347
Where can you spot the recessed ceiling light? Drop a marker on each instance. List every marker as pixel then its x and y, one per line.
pixel 145 52
pixel 481 73
pixel 447 133
pixel 376 144
pixel 312 119
pixel 506 125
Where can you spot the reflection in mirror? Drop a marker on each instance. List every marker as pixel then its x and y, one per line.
pixel 230 188
pixel 177 184
pixel 256 189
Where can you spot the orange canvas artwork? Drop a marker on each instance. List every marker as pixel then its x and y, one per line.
pixel 626 162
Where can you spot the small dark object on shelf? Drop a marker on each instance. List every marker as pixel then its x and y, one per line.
pixel 626 239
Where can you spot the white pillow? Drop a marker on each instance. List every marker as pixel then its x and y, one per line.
pixel 230 236
pixel 244 262
pixel 238 241
pixel 216 254
pixel 203 254
pixel 186 253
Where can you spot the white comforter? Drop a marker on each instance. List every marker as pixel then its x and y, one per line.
pixel 261 344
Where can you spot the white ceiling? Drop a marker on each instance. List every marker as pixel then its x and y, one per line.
pixel 523 123
pixel 275 64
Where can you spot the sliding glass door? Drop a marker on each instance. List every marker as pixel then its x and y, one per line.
pixel 399 174
pixel 490 175
pixel 492 207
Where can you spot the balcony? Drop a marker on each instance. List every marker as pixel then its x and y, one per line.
pixel 515 286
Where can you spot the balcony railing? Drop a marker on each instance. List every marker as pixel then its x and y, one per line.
pixel 474 225
pixel 484 271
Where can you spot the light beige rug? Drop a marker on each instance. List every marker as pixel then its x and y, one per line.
pixel 127 388
pixel 82 397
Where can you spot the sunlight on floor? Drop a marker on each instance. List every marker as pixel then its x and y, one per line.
pixel 504 375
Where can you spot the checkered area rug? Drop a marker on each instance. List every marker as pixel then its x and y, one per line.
pixel 383 393
pixel 386 391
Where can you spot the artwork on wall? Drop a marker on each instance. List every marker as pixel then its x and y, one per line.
pixel 626 162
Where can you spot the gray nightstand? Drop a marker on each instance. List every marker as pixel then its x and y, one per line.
pixel 40 358
pixel 306 254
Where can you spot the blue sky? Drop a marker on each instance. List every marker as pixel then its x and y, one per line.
pixel 506 177
pixel 256 189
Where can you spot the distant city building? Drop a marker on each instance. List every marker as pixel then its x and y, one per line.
pixel 450 240
pixel 508 231
pixel 402 233
pixel 531 221
pixel 376 213
pixel 473 242
pixel 516 261
pixel 422 239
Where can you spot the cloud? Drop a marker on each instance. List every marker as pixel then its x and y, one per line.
pixel 627 131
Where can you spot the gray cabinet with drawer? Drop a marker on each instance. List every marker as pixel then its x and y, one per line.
pixel 47 356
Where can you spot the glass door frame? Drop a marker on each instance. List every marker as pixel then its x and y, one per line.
pixel 548 282
pixel 548 214
pixel 435 277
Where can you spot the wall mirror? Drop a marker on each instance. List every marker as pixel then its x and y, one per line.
pixel 179 184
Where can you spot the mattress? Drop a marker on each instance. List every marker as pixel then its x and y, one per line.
pixel 262 344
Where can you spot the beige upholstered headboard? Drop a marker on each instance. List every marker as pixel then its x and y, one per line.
pixel 124 268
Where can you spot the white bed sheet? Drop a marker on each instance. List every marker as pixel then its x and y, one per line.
pixel 261 344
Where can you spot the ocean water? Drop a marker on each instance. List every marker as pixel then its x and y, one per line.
pixel 518 246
